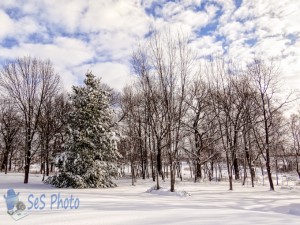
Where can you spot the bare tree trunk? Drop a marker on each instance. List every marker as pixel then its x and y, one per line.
pixel 158 158
pixel 276 170
pixel 251 169
pixel 245 172
pixel 297 167
pixel 5 161
pixel 229 169
pixel 27 159
pixel 172 174
pixel 157 180
pixel 51 167
pixel 132 174
pixel 268 167
pixel 47 154
pixel 198 174
pixel 236 168
pixel 27 166
pixel 220 172
pixel 262 171
pixel 47 165
pixel 212 169
pixel 179 170
pixel 10 161
pixel 152 167
pixel 6 165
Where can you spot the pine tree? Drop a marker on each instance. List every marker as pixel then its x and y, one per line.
pixel 91 150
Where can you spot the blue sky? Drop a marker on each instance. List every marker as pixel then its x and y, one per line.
pixel 100 35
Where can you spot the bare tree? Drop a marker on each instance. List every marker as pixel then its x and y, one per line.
pixel 51 124
pixel 265 81
pixel 173 63
pixel 200 122
pixel 155 118
pixel 247 95
pixel 228 108
pixel 295 130
pixel 163 69
pixel 10 126
pixel 132 130
pixel 30 82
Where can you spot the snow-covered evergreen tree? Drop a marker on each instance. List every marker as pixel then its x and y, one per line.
pixel 91 150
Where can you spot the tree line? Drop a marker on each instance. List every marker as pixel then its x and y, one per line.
pixel 218 115
pixel 211 115
pixel 33 112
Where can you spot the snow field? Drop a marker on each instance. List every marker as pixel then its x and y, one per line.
pixel 206 203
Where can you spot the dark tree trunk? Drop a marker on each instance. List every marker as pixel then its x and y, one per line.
pixel 152 168
pixel 236 168
pixel 198 172
pixel 157 180
pixel 47 157
pixel 42 155
pixel 276 169
pixel 212 169
pixel 297 167
pixel 172 174
pixel 158 158
pixel 47 167
pixel 132 173
pixel 42 167
pixel 250 167
pixel 245 172
pixel 10 159
pixel 229 172
pixel 27 161
pixel 167 172
pixel 268 167
pixel 27 165
pixel 269 175
pixel 51 167
pixel 5 161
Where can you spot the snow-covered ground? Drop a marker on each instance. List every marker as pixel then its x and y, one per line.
pixel 201 203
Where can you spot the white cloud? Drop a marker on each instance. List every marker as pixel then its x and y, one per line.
pixel 191 2
pixel 6 25
pixel 211 10
pixel 232 31
pixel 183 14
pixel 228 8
pixel 116 75
pixel 63 52
pixel 100 35
pixel 8 3
pixel 65 14
pixel 193 19
pixel 274 27
pixel 112 15
pixel 18 29
pixel 207 46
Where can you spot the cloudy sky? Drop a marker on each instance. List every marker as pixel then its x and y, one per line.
pixel 99 35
